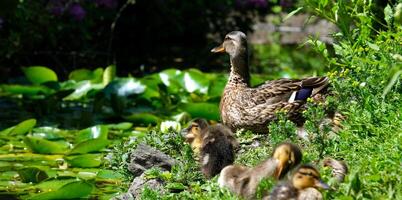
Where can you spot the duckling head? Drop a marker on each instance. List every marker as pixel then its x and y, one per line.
pixel 307 176
pixel 288 156
pixel 235 44
pixel 194 132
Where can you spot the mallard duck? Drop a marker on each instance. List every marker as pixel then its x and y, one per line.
pixel 214 145
pixel 302 186
pixel 244 181
pixel 252 108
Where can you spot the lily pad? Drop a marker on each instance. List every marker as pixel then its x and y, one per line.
pixel 109 74
pixel 194 80
pixel 72 190
pixel 21 128
pixel 32 174
pixel 143 118
pixel 120 126
pixel 85 161
pixel 29 90
pixel 39 74
pixel 92 145
pixel 43 146
pixel 109 174
pixel 86 74
pixel 95 132
pixel 82 88
pixel 203 110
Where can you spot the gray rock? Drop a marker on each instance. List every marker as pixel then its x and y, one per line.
pixel 145 157
pixel 140 182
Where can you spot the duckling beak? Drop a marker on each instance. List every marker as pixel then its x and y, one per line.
pixel 218 49
pixel 279 168
pixel 321 184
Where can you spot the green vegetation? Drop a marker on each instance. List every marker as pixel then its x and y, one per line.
pixel 71 139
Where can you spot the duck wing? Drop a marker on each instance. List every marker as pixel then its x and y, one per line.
pixel 288 90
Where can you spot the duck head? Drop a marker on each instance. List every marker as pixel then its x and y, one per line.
pixel 235 43
pixel 194 132
pixel 288 156
pixel 307 176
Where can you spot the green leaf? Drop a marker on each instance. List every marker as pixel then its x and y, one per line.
pixel 86 74
pixel 73 190
pixel 95 132
pixel 124 87
pixel 388 15
pixel 88 146
pixel 373 46
pixel 81 89
pixel 109 74
pixel 203 110
pixel 42 146
pixel 292 13
pixel 32 174
pixel 109 174
pixel 29 90
pixel 120 126
pixel 39 74
pixel 20 129
pixel 85 161
pixel 23 127
pixel 194 80
pixel 143 118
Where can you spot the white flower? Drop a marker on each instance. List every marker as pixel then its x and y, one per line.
pixel 167 126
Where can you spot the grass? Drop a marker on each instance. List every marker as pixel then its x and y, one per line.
pixel 365 91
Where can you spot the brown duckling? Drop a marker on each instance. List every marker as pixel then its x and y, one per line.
pixel 214 145
pixel 252 108
pixel 339 168
pixel 302 186
pixel 244 181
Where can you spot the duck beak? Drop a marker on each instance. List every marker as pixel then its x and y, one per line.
pixel 280 168
pixel 218 49
pixel 321 184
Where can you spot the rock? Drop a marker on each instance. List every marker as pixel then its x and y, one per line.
pixel 140 182
pixel 146 157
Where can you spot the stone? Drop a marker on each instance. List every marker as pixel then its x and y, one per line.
pixel 145 157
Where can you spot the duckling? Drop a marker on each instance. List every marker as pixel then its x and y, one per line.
pixel 302 186
pixel 214 145
pixel 253 108
pixel 244 181
pixel 339 168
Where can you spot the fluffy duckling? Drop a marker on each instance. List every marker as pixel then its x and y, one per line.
pixel 302 186
pixel 339 168
pixel 244 181
pixel 213 145
pixel 252 108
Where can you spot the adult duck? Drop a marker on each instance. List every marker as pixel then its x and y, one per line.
pixel 253 108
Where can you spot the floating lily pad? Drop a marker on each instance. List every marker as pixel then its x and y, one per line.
pixel 85 161
pixel 29 90
pixel 120 126
pixel 143 118
pixel 21 128
pixel 92 145
pixel 109 74
pixel 95 132
pixel 72 190
pixel 43 146
pixel 81 89
pixel 39 74
pixel 109 174
pixel 194 80
pixel 203 110
pixel 32 174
